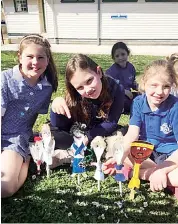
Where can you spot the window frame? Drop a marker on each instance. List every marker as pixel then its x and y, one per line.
pixel 21 1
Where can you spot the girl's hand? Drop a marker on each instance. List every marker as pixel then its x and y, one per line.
pixel 109 166
pixel 129 94
pixel 59 106
pixel 158 180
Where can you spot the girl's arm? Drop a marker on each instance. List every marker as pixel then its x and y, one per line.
pixel 172 161
pixel 60 115
pixel 134 125
pixel 174 123
pixel 110 125
pixel 60 121
pixel 131 136
pixel 158 179
pixel 59 106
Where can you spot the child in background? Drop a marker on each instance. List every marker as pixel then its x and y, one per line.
pixel 174 60
pixel 123 71
pixel 26 91
pixel 154 119
pixel 91 98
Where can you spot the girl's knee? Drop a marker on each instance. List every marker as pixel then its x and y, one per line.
pixel 8 189
pixel 172 178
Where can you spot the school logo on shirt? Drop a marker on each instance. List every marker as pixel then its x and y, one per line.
pixel 165 128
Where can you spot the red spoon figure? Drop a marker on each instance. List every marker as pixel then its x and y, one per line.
pixel 140 151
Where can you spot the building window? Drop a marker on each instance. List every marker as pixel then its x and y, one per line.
pixel 20 5
pixel 77 1
pixel 119 0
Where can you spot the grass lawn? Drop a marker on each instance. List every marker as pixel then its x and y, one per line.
pixel 59 199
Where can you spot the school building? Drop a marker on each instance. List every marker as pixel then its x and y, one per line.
pixel 94 21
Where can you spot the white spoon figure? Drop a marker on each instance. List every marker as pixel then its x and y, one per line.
pixel 49 145
pixel 98 145
pixel 36 150
pixel 118 152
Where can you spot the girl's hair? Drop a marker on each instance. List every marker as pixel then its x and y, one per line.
pixel 78 127
pixel 117 46
pixel 50 72
pixel 156 68
pixel 173 59
pixel 81 107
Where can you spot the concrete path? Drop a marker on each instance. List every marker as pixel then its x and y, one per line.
pixel 155 50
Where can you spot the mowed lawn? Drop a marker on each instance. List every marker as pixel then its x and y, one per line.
pixel 60 200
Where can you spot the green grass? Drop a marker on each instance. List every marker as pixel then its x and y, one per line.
pixel 59 199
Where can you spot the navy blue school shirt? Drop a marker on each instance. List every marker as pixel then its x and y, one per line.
pixel 97 126
pixel 158 127
pixel 126 75
pixel 20 104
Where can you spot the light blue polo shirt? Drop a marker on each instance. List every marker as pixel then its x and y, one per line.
pixel 158 127
pixel 20 103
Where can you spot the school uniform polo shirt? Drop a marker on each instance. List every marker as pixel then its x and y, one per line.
pixel 126 75
pixel 158 127
pixel 20 103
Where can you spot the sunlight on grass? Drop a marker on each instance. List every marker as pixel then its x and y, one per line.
pixel 59 199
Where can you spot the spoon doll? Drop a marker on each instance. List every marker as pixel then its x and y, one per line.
pixel 78 147
pixel 140 151
pixel 49 145
pixel 98 145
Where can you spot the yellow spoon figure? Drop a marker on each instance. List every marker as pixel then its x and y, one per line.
pixel 140 151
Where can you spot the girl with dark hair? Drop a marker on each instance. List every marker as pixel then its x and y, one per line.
pixel 123 71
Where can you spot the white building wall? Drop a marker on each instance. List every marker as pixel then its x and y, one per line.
pixel 49 18
pixel 22 22
pixel 77 25
pixel 72 20
pixel 144 20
